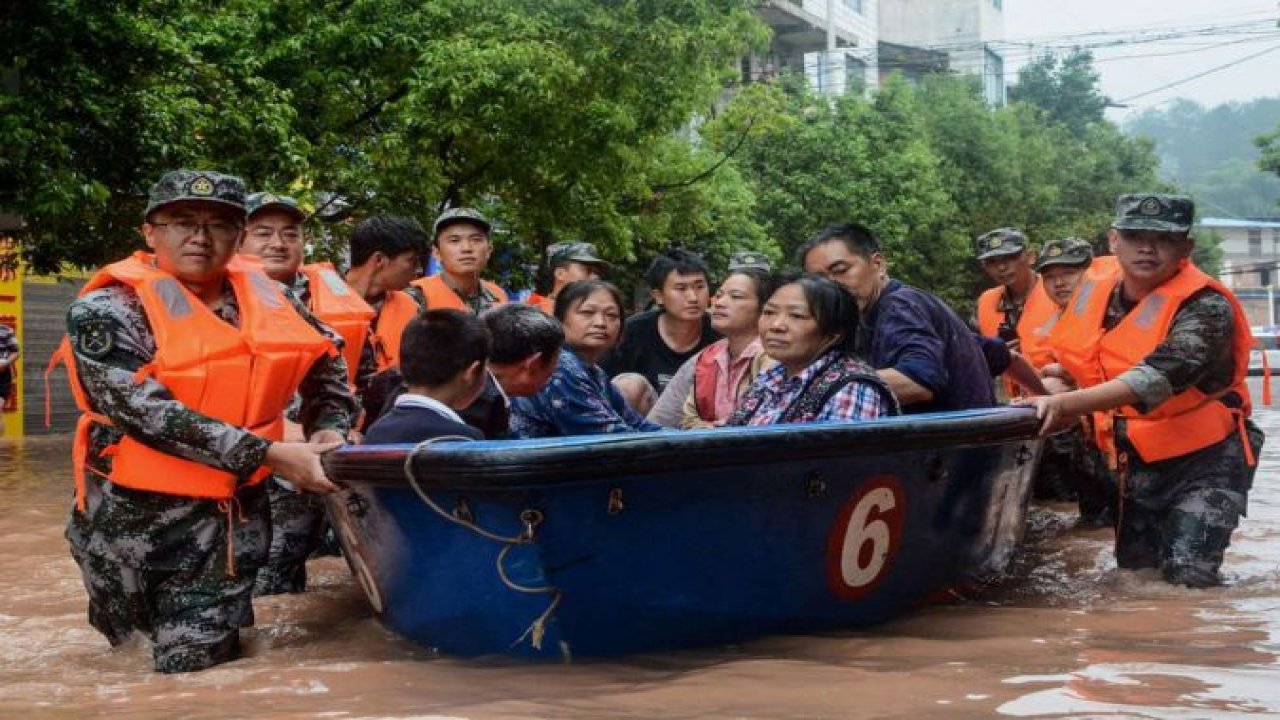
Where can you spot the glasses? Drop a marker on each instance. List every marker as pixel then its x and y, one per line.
pixel 215 230
pixel 289 235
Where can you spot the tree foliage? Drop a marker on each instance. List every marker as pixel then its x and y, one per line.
pixel 1216 154
pixel 559 113
pixel 851 159
pixel 606 121
pixel 1065 88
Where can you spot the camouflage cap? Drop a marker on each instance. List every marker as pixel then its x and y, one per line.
pixel 579 252
pixel 1002 241
pixel 259 201
pixel 748 260
pixel 457 215
pixel 1066 251
pixel 196 185
pixel 1154 211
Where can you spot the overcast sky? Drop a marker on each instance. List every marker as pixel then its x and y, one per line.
pixel 1225 31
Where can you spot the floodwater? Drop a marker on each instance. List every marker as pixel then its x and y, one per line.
pixel 1065 635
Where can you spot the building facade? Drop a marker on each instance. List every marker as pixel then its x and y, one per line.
pixel 1250 262
pixel 831 42
pixel 854 45
pixel 965 30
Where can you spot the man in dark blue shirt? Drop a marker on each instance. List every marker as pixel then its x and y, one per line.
pixel 916 342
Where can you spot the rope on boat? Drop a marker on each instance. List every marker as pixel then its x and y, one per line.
pixel 531 519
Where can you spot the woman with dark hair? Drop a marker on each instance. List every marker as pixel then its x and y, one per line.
pixel 725 369
pixel 806 326
pixel 579 399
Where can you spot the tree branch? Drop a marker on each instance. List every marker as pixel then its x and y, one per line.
pixel 719 163
pixel 373 111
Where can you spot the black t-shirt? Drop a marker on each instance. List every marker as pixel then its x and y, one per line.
pixel 642 350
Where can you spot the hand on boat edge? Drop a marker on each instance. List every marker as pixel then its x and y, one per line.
pixel 299 463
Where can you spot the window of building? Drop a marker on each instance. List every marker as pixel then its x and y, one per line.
pixel 993 78
pixel 855 76
pixel 853 5
pixel 1255 242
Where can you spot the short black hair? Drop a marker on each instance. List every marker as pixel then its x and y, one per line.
pixel 764 281
pixel 519 331
pixel 577 291
pixel 439 344
pixel 857 238
pixel 833 307
pixel 677 260
pixel 391 234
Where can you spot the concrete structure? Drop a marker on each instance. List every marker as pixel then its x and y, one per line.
pixel 1250 262
pixel 832 42
pixel 963 29
pixel 910 62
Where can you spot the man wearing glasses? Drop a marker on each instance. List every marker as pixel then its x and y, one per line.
pixel 182 361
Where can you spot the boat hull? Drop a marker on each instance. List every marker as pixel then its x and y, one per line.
pixel 772 531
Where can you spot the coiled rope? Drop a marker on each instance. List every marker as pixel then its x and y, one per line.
pixel 531 518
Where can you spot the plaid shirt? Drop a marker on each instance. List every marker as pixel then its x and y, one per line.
pixel 855 401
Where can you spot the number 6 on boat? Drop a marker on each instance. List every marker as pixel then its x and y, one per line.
pixel 865 537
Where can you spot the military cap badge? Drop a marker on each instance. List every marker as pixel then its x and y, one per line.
pixel 1054 250
pixel 201 187
pixel 1150 206
pixel 995 242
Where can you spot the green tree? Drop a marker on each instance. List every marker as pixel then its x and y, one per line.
pixel 867 161
pixel 103 97
pixel 1270 146
pixel 557 114
pixel 1065 88
pixel 1214 153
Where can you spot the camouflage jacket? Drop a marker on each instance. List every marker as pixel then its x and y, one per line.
pixel 110 339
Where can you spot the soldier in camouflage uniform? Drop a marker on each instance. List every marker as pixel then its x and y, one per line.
pixel 180 568
pixel 1182 445
pixel 1070 465
pixel 273 233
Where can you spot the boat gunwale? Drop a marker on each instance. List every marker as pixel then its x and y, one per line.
pixel 514 464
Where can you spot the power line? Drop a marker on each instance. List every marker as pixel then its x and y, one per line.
pixel 1199 75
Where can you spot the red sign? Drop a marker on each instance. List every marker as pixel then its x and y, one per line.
pixel 866 537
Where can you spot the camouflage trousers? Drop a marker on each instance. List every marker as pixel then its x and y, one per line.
pixel 297 529
pixel 191 610
pixel 1179 519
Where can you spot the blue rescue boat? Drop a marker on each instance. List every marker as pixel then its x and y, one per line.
pixel 616 544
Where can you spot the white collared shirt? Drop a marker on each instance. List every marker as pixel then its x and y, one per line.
pixel 422 401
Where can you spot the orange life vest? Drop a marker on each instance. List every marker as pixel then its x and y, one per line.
pixel 542 302
pixel 1039 314
pixel 440 295
pixel 1190 420
pixel 1037 323
pixel 398 308
pixel 1038 318
pixel 341 308
pixel 243 376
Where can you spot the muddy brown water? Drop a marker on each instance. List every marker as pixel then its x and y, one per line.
pixel 1065 635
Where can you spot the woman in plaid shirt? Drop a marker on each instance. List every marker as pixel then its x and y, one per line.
pixel 806 326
